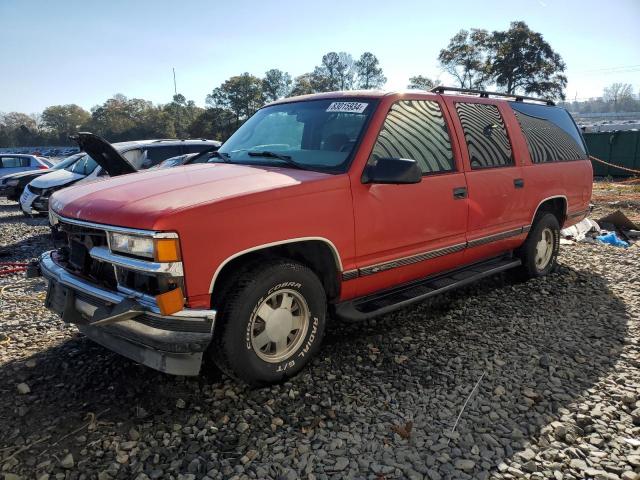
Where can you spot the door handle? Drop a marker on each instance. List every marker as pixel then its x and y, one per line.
pixel 518 182
pixel 460 193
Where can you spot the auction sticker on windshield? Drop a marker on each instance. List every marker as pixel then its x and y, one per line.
pixel 347 107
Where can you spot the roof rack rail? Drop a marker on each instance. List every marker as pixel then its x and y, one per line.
pixel 485 94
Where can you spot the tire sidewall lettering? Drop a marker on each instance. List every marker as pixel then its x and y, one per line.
pixel 312 334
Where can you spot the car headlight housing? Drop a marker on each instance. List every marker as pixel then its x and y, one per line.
pixel 158 249
pixel 12 182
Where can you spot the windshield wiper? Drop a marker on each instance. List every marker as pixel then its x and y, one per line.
pixel 223 156
pixel 285 158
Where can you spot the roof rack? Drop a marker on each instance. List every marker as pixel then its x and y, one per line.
pixel 485 94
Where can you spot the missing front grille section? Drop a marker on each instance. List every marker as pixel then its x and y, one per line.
pixel 148 284
pixel 74 255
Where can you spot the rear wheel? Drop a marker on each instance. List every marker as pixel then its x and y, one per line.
pixel 270 324
pixel 540 250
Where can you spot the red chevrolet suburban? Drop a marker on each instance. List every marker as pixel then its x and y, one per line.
pixel 350 203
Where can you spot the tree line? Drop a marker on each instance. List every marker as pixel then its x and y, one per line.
pixel 616 98
pixel 517 60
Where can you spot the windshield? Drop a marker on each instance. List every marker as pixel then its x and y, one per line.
pixel 67 161
pixel 83 166
pixel 315 134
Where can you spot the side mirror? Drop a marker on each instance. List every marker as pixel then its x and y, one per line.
pixel 392 171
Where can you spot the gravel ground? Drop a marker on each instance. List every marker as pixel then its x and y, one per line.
pixel 555 363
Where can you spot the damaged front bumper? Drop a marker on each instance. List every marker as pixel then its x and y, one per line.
pixel 127 324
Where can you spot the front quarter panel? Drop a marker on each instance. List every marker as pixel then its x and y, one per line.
pixel 211 234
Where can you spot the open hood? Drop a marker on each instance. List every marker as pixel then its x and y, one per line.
pixel 104 154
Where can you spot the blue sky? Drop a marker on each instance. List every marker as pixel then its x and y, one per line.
pixel 73 51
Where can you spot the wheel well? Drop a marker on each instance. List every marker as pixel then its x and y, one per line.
pixel 556 206
pixel 319 256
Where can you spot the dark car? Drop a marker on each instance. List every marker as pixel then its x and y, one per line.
pixel 190 158
pixel 13 185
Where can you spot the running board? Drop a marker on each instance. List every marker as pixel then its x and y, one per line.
pixel 398 297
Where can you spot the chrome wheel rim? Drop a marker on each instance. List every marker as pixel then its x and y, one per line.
pixel 279 325
pixel 544 249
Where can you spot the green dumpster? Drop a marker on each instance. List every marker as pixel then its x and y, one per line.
pixel 620 147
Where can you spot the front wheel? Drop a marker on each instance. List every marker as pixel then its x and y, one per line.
pixel 271 323
pixel 540 250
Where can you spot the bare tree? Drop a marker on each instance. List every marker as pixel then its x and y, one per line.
pixel 618 94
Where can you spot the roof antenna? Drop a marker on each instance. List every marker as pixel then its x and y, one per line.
pixel 175 94
pixel 175 89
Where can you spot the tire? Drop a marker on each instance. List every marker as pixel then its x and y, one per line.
pixel 540 250
pixel 250 343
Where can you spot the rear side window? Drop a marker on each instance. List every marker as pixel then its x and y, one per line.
pixel 551 134
pixel 415 129
pixel 154 155
pixel 13 162
pixel 485 134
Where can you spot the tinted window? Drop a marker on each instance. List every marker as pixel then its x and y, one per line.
pixel 156 155
pixel 416 130
pixel 485 134
pixel 550 132
pixel 196 148
pixel 13 162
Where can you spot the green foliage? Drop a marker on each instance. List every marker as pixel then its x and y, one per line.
pixel 421 83
pixel 464 58
pixel 183 113
pixel 119 119
pixel 336 72
pixel 242 95
pixel 63 120
pixel 368 72
pixel 213 123
pixel 20 129
pixel 275 84
pixel 303 85
pixel 519 59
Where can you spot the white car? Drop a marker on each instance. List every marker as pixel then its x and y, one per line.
pixel 115 159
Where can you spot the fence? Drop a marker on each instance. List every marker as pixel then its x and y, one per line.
pixel 618 147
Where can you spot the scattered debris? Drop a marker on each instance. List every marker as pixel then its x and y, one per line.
pixel 612 239
pixel 579 231
pixel 403 430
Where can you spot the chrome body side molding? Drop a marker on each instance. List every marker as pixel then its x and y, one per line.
pixel 422 256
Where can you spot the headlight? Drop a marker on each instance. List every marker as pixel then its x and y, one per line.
pixel 12 182
pixel 158 249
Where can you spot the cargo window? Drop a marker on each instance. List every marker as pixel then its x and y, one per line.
pixel 415 129
pixel 550 132
pixel 485 134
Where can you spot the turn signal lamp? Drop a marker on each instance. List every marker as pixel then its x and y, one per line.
pixel 170 302
pixel 167 250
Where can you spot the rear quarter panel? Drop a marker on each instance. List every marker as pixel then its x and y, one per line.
pixel 571 180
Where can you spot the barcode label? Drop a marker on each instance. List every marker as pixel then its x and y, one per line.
pixel 347 107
